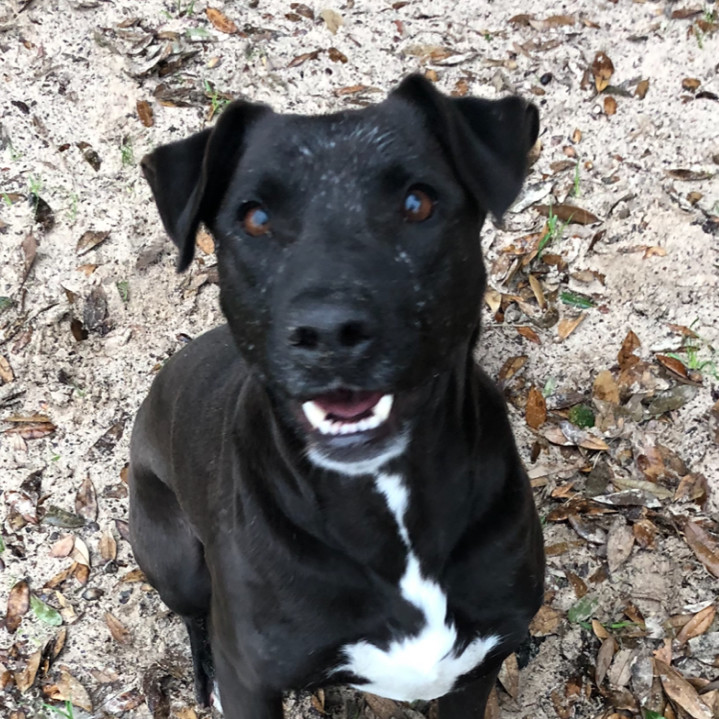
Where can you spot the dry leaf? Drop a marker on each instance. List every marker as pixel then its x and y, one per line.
pixel 117 629
pixel 90 240
pixel 674 366
pixel 336 56
pixel 80 553
pixel 610 105
pixel 620 541
pixel 510 368
pixel 26 678
pixel 67 688
pixel 205 242
pixel 384 708
pixel 568 213
pixel 689 175
pixel 605 387
pixel 6 373
pixel 626 356
pixel 697 625
pixel 221 21
pixel 63 547
pixel 599 631
pixel 545 621
pixel 304 57
pixel 332 19
pixel 86 501
pixel 602 69
pixel 644 533
pixel 604 659
pixel 641 89
pixel 108 547
pixel 144 112
pixel 509 676
pixel 529 333
pixel 691 83
pixel 303 10
pixel 567 325
pixel 703 545
pixel 536 408
pixel 681 692
pixel 18 603
pixel 351 90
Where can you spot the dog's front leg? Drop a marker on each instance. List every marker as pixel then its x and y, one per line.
pixel 239 701
pixel 470 701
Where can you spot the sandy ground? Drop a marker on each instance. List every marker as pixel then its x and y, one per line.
pixel 84 329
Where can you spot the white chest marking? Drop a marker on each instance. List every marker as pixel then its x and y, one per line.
pixel 423 666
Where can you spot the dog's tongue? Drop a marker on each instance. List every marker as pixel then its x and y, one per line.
pixel 347 404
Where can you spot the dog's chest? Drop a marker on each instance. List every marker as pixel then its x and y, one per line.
pixel 423 665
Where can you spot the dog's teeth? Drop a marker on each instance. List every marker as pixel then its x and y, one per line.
pixel 382 409
pixel 315 415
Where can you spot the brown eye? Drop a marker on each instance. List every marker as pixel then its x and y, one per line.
pixel 255 220
pixel 418 204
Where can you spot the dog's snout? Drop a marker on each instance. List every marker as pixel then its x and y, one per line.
pixel 337 329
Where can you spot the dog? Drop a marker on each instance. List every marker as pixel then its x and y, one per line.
pixel 326 488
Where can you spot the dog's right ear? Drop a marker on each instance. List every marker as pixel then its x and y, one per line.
pixel 189 177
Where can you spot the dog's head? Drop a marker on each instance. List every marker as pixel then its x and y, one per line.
pixel 348 248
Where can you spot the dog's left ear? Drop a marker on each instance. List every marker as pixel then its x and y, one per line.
pixel 189 177
pixel 487 141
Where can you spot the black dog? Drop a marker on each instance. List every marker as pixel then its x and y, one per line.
pixel 326 489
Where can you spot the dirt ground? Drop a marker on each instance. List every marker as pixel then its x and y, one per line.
pixel 91 305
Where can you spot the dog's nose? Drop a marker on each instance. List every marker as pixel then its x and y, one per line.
pixel 338 330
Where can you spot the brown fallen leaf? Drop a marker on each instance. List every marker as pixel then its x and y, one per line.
pixel 529 333
pixel 509 676
pixel 641 89
pixel 602 69
pixel 677 368
pixel 220 21
pixel 703 545
pixel 33 430
pixel 145 113
pixel 691 83
pixel 697 625
pixel 90 240
pixel 18 604
pixel 510 368
pixel 599 631
pixel 332 19
pixel 336 56
pixel 63 547
pixel 627 357
pixel 536 409
pixel 605 387
pixel 351 90
pixel 6 373
pixel 119 632
pixel 567 325
pixel 86 501
pixel 645 532
pixel 69 689
pixel 303 58
pixel 681 692
pixel 545 622
pixel 686 13
pixel 620 541
pixel 108 547
pixel 568 213
pixel 25 678
pixel 604 659
pixel 610 106
pixel 383 708
pixel 303 10
pixel 689 175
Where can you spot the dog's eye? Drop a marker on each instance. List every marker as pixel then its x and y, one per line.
pixel 255 220
pixel 419 204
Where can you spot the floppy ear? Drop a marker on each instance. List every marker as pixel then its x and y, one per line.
pixel 487 141
pixel 189 177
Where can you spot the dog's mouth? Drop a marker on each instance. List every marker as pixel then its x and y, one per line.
pixel 346 411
